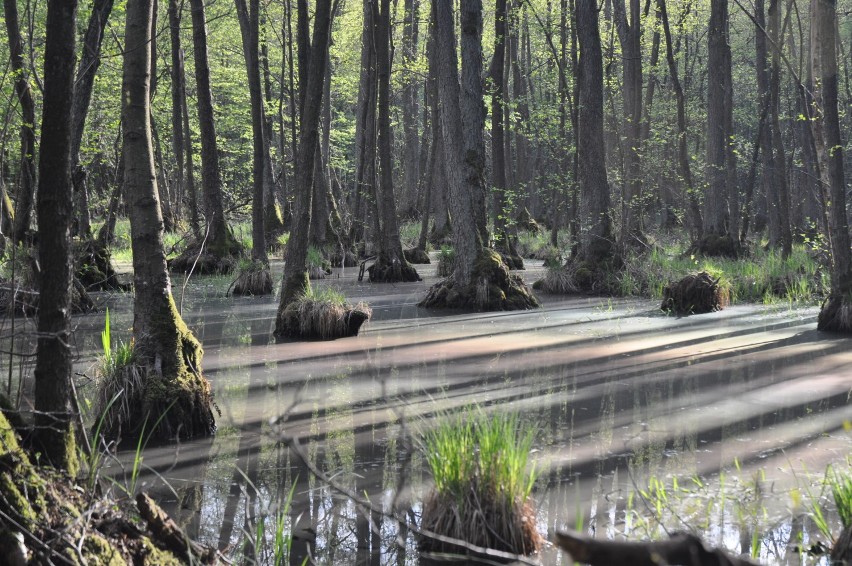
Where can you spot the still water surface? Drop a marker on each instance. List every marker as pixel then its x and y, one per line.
pixel 645 423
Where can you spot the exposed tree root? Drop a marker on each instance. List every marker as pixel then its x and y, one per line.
pixel 255 279
pixel 416 256
pixel 492 288
pixel 347 259
pixel 46 519
pixel 397 271
pixel 316 319
pixel 696 293
pixel 208 262
pixel 836 313
pixel 93 267
pixel 491 523
pixel 681 548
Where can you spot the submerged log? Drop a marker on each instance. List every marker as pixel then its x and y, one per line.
pixel 680 549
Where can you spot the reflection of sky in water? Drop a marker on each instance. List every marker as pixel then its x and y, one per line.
pixel 622 396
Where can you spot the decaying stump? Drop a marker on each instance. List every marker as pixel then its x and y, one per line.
pixel 680 549
pixel 93 267
pixel 696 293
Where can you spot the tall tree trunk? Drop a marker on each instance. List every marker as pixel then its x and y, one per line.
pixel 250 29
pixel 191 191
pixel 170 356
pixel 177 112
pixel 410 107
pixel 630 35
pixel 835 313
pixel 90 61
pixel 25 189
pixel 596 238
pixel 220 241
pixel 716 238
pixel 391 264
pixel 54 428
pixel 462 176
pixel 295 282
pixel 498 144
pixel 781 184
pixel 695 223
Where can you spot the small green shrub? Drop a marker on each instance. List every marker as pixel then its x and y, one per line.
pixel 446 261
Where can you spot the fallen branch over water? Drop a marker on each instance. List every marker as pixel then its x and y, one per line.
pixel 681 548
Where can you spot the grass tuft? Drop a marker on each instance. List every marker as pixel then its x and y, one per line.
pixel 483 483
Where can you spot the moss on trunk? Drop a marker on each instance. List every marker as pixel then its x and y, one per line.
pixel 492 288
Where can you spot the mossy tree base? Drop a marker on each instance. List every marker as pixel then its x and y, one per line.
pixel 167 407
pixel 492 288
pixel 255 279
pixel 211 260
pixel 717 246
pixel 383 271
pixel 50 521
pixel 416 256
pixel 697 293
pixel 346 259
pixel 836 313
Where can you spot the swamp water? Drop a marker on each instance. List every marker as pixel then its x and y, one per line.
pixel 646 424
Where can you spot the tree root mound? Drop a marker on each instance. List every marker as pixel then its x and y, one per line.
pixel 716 246
pixel 480 520
pixel 527 222
pixel 697 293
pixel 492 288
pixel 54 521
pixel 93 267
pixel 207 262
pixel 836 313
pixel 315 319
pixel 417 256
pixel 252 280
pixel 581 276
pixel 513 261
pixel 396 272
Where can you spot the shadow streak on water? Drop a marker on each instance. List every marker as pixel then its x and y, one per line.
pixel 619 395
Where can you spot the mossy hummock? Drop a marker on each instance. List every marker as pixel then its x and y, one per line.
pixel 697 293
pixel 308 318
pixel 93 267
pixel 385 270
pixel 209 258
pixel 492 288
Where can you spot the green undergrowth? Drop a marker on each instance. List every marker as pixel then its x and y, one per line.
pixel 760 277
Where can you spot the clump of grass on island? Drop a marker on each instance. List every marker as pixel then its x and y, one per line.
pixel 483 481
pixel 253 278
pixel 318 266
pixel 324 314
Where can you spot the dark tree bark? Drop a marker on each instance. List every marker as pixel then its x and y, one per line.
pixel 25 189
pixel 295 281
pixel 716 237
pixel 177 93
pixel 836 313
pixel 90 61
pixel 54 422
pixel 391 265
pixel 596 238
pixel 695 223
pixel 781 182
pixel 166 350
pixel 498 143
pixel 220 241
pixel 249 19
pixel 410 107
pixel 630 35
